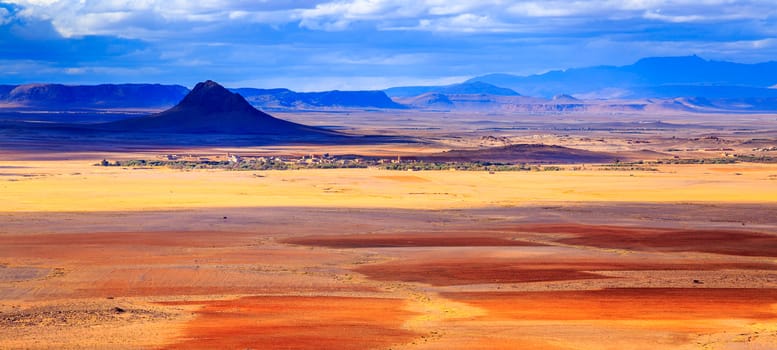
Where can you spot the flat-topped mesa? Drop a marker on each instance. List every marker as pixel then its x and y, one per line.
pixel 210 108
pixel 52 97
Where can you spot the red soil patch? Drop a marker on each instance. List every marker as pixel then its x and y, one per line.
pixel 409 240
pixel 488 341
pixel 627 304
pixel 287 322
pixel 115 248
pixel 157 239
pixel 442 273
pixel 533 269
pixel 167 263
pixel 167 280
pixel 729 242
pixel 150 248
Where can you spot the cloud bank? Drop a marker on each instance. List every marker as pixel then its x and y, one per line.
pixel 316 44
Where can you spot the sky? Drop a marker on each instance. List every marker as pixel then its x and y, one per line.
pixel 314 45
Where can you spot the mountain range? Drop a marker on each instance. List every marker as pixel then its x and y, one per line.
pixel 211 109
pixel 467 88
pixel 109 96
pixel 656 77
pixel 686 83
pixel 58 96
pixel 281 99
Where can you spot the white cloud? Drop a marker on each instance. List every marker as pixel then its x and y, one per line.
pixel 540 9
pixel 75 70
pixel 139 17
pixel 136 17
pixel 5 16
pixel 463 23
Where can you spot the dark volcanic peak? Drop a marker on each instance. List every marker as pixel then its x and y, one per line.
pixel 210 97
pixel 210 108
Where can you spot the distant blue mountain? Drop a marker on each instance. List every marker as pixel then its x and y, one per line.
pixel 649 77
pixel 429 100
pixel 467 88
pixel 288 99
pixel 698 82
pixel 105 96
pixel 5 89
pixel 57 96
pixel 706 91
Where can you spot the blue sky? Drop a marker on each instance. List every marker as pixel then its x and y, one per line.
pixel 312 45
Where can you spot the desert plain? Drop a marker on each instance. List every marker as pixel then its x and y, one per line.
pixel 586 256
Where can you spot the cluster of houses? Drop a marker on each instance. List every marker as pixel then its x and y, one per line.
pixel 766 149
pixel 311 159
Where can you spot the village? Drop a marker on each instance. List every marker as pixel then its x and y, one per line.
pixel 289 160
pixel 231 161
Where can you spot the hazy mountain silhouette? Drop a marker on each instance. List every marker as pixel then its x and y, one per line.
pixel 106 96
pixel 4 90
pixel 211 109
pixel 57 96
pixel 288 99
pixel 649 84
pixel 468 88
pixel 649 77
pixel 564 98
pixel 429 100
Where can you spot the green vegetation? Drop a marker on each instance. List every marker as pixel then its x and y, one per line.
pixel 461 166
pixel 274 163
pixel 628 166
pixel 722 160
pixel 269 164
pixel 646 166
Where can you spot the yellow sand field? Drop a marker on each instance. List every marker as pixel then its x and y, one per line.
pixel 79 186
